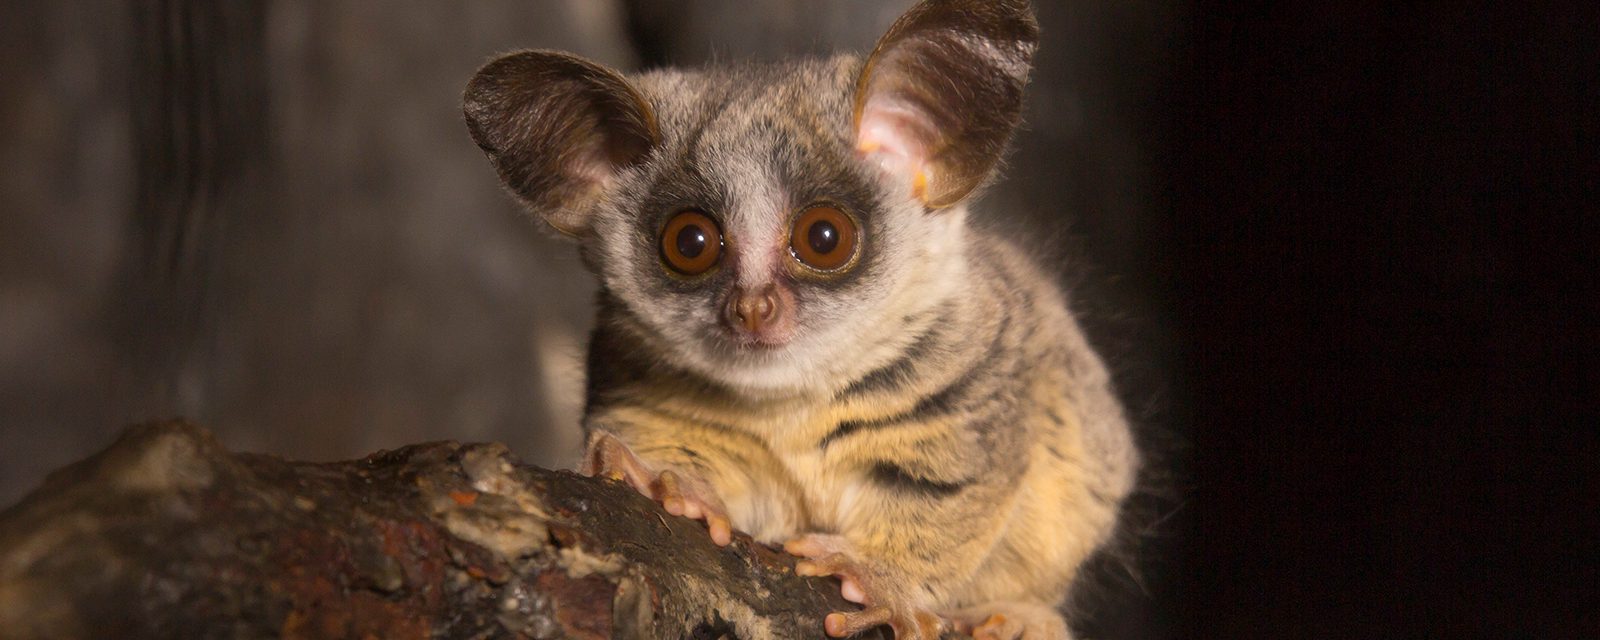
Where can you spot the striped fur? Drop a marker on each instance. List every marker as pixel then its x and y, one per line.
pixel 935 406
pixel 988 458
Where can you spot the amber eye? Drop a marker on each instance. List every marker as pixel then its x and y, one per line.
pixel 691 243
pixel 824 238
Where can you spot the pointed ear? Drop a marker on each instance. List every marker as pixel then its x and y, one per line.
pixel 558 128
pixel 941 93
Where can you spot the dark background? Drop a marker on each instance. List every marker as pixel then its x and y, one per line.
pixel 1334 252
pixel 1382 221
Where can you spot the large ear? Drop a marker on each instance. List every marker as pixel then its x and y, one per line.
pixel 938 98
pixel 557 128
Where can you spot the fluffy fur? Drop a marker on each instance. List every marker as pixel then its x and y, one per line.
pixel 935 430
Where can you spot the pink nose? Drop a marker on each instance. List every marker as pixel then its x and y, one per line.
pixel 755 310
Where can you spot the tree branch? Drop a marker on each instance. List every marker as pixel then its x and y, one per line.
pixel 167 534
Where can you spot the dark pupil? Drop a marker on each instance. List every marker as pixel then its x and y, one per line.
pixel 822 237
pixel 691 241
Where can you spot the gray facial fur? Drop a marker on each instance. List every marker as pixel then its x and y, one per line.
pixel 928 416
pixel 751 146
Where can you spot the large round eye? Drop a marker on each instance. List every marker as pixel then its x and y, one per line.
pixel 823 238
pixel 691 243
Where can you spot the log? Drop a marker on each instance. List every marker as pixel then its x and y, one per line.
pixel 166 534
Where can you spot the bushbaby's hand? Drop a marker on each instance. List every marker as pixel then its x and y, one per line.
pixel 887 601
pixel 681 493
pixel 1011 621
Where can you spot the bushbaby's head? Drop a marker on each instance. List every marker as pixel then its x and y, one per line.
pixel 771 226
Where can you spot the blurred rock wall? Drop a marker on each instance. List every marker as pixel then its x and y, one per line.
pixel 360 280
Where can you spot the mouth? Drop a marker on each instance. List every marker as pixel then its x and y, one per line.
pixel 756 342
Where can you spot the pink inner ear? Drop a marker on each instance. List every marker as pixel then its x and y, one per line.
pixel 896 137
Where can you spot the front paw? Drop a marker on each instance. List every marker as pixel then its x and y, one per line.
pixel 680 493
pixel 866 582
pixel 1012 621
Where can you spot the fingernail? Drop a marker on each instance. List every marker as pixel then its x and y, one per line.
pixel 834 624
pixel 852 592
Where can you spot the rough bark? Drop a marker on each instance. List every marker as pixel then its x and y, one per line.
pixel 166 534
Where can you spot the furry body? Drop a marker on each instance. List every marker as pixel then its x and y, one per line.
pixel 928 421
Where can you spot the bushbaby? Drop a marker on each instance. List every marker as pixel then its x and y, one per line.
pixel 801 337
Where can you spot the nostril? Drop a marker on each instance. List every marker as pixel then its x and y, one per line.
pixel 745 312
pixel 769 304
pixel 754 310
